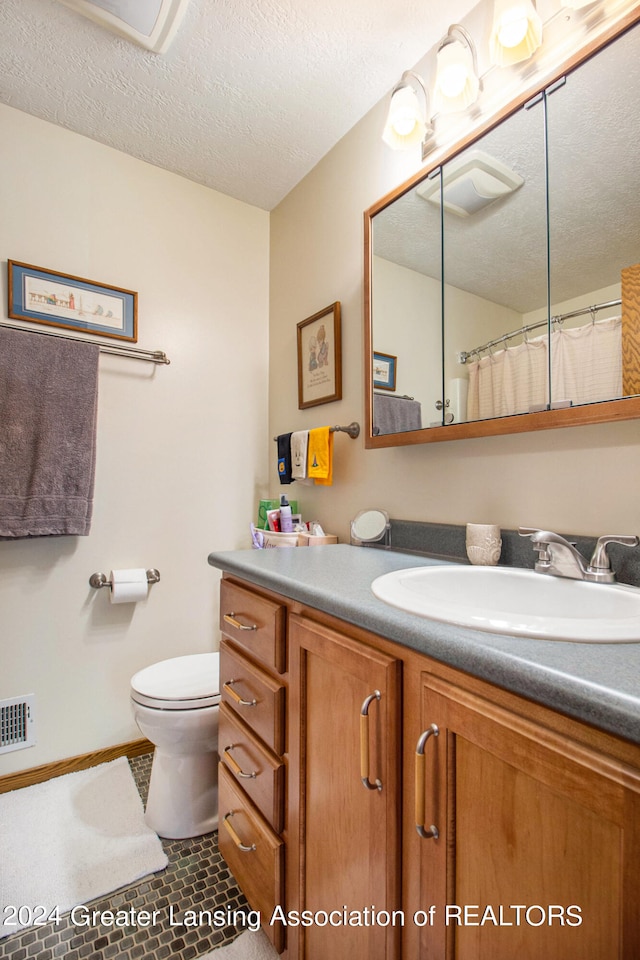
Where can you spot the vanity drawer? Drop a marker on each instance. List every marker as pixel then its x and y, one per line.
pixel 256 770
pixel 254 623
pixel 253 695
pixel 253 852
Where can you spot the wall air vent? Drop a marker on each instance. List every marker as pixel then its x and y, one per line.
pixel 17 723
pixel 471 183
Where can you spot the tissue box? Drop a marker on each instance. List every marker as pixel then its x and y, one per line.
pixel 311 540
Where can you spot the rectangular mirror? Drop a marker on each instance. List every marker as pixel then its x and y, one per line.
pixel 521 313
pixel 406 298
pixel 495 268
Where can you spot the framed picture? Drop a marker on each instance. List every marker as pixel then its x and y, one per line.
pixel 61 300
pixel 320 358
pixel 384 371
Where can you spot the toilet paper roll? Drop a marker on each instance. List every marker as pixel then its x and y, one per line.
pixel 129 586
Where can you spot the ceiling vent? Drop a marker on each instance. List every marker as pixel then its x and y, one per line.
pixel 471 183
pixel 150 23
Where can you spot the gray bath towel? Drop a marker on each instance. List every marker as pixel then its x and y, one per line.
pixel 48 406
pixel 392 414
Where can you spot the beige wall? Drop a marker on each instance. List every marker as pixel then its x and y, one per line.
pixel 581 479
pixel 181 450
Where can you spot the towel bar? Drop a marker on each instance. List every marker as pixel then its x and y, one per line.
pixel 120 349
pixel 353 429
pixel 98 580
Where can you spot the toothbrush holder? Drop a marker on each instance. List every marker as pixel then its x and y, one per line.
pixel 483 543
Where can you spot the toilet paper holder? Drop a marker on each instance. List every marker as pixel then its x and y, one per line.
pixel 98 580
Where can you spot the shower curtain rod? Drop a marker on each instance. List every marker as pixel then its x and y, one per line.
pixel 465 355
pixel 134 353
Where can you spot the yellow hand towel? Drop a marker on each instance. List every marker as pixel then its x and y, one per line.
pixel 320 456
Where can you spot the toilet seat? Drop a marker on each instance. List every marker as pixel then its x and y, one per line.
pixel 180 683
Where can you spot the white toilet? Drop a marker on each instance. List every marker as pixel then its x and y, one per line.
pixel 175 704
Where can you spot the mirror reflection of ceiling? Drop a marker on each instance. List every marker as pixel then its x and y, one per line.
pixel 592 120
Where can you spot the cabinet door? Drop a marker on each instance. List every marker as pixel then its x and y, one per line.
pixel 344 765
pixel 539 838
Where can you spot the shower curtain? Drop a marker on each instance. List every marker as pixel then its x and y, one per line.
pixel 586 366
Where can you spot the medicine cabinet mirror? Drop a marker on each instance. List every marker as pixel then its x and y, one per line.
pixel 450 278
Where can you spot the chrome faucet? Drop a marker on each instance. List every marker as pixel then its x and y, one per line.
pixel 560 558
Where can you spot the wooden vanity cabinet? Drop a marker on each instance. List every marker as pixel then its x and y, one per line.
pixel 538 816
pixel 538 853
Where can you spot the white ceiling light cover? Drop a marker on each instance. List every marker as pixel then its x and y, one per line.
pixel 150 23
pixel 471 183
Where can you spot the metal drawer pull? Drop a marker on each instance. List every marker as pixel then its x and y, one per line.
pixel 432 832
pixel 234 622
pixel 364 743
pixel 236 696
pixel 234 836
pixel 235 766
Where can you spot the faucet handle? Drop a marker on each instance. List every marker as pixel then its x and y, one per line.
pixel 540 542
pixel 540 538
pixel 600 562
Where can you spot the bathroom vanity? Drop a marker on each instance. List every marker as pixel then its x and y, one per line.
pixel 421 790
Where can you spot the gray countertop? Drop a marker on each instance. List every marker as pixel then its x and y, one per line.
pixel 596 683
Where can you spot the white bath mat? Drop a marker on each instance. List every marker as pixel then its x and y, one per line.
pixel 70 840
pixel 250 945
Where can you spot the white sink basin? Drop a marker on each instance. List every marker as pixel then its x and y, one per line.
pixel 514 601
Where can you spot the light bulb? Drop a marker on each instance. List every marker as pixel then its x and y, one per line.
pixel 513 29
pixel 453 79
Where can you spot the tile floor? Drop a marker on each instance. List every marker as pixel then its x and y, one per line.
pixel 196 879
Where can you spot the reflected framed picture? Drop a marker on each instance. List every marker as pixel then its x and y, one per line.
pixel 62 300
pixel 320 358
pixel 384 371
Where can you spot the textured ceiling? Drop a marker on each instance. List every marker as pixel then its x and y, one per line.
pixel 249 97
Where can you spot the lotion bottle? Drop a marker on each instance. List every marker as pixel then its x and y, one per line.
pixel 286 521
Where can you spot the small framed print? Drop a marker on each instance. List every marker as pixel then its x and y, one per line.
pixel 384 371
pixel 320 358
pixel 62 300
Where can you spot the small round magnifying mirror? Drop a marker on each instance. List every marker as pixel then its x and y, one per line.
pixel 370 526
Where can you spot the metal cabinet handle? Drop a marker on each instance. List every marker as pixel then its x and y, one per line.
pixel 364 743
pixel 234 836
pixel 231 619
pixel 432 832
pixel 236 696
pixel 235 766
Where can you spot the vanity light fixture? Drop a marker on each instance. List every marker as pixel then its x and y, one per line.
pixel 457 82
pixel 516 32
pixel 407 122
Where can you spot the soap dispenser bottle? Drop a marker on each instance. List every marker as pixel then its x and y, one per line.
pixel 286 519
